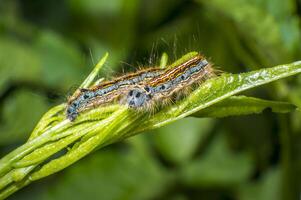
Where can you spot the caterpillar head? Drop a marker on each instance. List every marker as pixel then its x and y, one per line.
pixel 72 111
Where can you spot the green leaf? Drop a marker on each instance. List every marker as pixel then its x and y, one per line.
pixel 93 129
pixel 285 14
pixel 62 63
pixel 18 118
pixel 218 167
pixel 96 8
pixel 267 187
pixel 242 105
pixel 277 18
pixel 218 89
pixel 178 142
pixel 18 62
pixel 111 174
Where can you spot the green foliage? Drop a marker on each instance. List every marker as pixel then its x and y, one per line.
pixel 17 121
pixel 179 146
pixel 218 168
pixel 25 68
pixel 48 47
pixel 242 105
pixel 97 128
pixel 106 178
pixel 268 187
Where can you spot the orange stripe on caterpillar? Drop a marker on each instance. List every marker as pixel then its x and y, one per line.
pixel 172 82
pixel 106 92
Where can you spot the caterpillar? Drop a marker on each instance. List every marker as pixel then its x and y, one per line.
pixel 173 82
pixel 87 98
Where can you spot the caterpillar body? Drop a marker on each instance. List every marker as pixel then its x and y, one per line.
pixel 173 82
pixel 87 98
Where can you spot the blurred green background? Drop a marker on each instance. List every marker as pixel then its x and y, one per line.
pixel 49 47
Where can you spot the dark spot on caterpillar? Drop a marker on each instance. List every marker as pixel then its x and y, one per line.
pixel 86 96
pixel 147 89
pixel 138 94
pixel 131 93
pixel 162 87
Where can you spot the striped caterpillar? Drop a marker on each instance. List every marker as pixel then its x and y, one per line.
pixel 173 82
pixel 87 98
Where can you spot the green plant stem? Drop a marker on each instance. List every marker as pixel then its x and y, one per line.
pixel 105 125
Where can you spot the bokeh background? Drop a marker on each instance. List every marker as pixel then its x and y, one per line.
pixel 47 48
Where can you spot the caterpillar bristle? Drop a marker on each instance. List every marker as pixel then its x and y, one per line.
pixel 146 90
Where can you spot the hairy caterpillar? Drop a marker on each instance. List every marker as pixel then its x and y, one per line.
pixel 173 82
pixel 87 98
